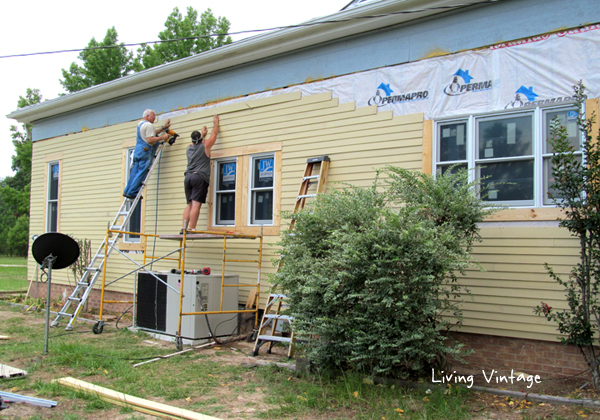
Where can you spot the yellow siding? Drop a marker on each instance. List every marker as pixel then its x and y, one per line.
pixel 357 141
pixel 515 280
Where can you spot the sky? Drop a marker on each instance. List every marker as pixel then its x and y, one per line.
pixel 34 26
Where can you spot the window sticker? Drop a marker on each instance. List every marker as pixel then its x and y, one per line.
pixel 228 172
pixel 265 169
pixel 445 132
pixel 489 153
pixel 55 172
pixel 572 115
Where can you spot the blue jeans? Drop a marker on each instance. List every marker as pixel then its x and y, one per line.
pixel 136 177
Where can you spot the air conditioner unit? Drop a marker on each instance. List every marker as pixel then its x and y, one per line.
pixel 158 305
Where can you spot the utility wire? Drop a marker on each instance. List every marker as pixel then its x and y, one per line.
pixel 301 25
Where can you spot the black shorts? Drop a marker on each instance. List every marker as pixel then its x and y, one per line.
pixel 195 187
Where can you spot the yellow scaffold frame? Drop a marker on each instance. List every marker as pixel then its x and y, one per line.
pixel 187 235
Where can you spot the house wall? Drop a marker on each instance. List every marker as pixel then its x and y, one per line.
pixel 357 140
pixel 92 166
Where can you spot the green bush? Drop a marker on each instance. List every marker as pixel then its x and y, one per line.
pixel 371 273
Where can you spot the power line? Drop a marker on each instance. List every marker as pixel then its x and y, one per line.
pixel 302 25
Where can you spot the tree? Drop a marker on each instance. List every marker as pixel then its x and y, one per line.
pixel 100 64
pixel 197 32
pixel 371 273
pixel 576 190
pixel 15 190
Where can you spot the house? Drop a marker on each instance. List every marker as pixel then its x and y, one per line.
pixel 419 84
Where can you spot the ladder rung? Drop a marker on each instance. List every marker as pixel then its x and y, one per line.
pixel 116 227
pixel 311 177
pixel 274 338
pixel 74 298
pixel 65 314
pixel 277 295
pixel 82 283
pixel 306 196
pixel 92 269
pixel 122 213
pixel 280 317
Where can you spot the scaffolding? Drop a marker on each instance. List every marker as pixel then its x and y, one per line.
pixel 183 238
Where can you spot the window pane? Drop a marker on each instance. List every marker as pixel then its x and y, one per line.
pixel 453 142
pixel 262 203
pixel 568 119
pixel 227 176
pixel 442 169
pixel 53 193
pixel 508 181
pixel 549 182
pixel 226 208
pixel 52 216
pixel 505 137
pixel 263 172
pixel 135 222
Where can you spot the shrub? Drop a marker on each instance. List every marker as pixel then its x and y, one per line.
pixel 371 273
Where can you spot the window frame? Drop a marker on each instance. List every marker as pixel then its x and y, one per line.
pixel 539 155
pixel 49 177
pixel 251 205
pixel 217 192
pixel 125 243
pixel 242 196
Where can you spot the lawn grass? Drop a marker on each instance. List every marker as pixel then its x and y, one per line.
pixel 13 278
pixel 196 382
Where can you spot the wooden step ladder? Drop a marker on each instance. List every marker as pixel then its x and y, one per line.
pixel 93 271
pixel 276 303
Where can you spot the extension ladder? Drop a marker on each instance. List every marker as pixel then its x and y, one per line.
pixel 276 304
pixel 86 283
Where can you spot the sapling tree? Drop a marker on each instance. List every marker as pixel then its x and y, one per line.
pixel 576 190
pixel 371 273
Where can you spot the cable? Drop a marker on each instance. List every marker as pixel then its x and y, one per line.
pixel 121 316
pixel 301 25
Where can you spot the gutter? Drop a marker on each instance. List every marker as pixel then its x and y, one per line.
pixel 239 53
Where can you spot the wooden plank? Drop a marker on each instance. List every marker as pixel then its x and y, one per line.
pixel 427 146
pixel 130 401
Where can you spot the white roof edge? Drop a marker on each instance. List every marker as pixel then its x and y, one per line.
pixel 237 53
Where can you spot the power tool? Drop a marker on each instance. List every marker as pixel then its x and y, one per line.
pixel 173 135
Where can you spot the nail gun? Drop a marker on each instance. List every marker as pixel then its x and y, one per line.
pixel 173 135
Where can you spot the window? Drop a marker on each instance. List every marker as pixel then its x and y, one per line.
pixel 261 189
pixel 225 192
pixel 509 152
pixel 135 220
pixel 245 190
pixel 52 197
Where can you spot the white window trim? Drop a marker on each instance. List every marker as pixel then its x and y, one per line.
pixel 251 160
pixel 48 200
pixel 538 132
pixel 217 165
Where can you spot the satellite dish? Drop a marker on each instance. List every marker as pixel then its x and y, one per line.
pixel 53 250
pixel 63 248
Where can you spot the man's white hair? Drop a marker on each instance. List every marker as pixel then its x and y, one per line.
pixel 148 112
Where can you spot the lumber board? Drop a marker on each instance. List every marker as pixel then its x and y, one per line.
pixel 132 402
